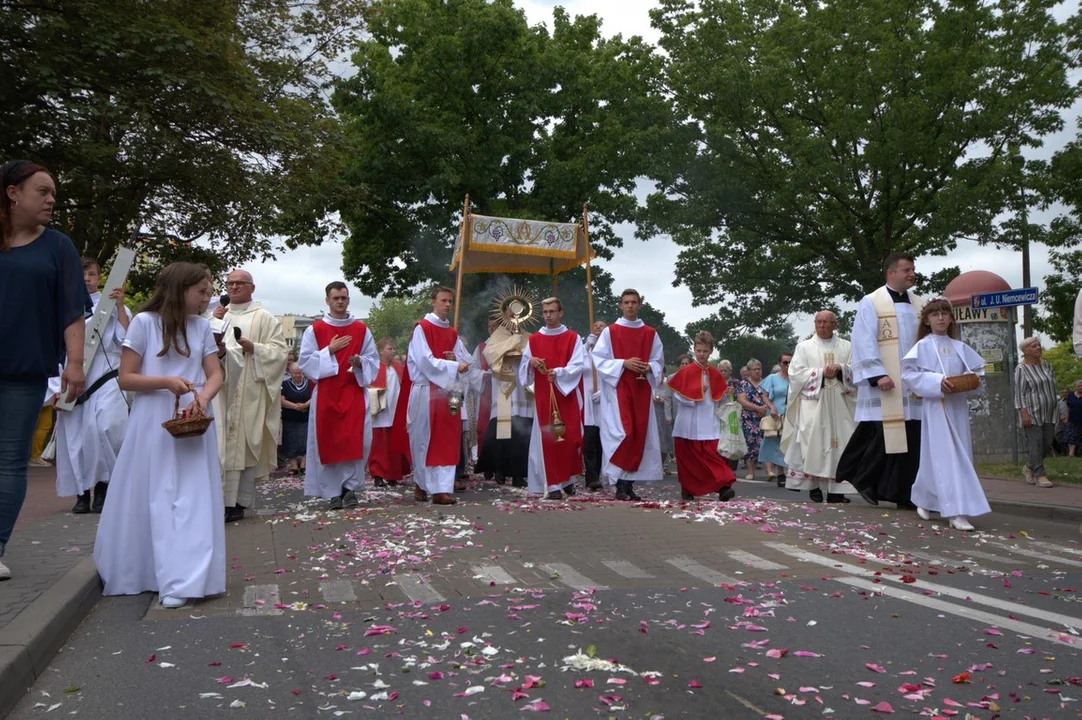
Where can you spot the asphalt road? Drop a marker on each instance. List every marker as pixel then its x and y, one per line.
pixel 763 607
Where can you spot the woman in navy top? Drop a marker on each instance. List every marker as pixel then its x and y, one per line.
pixel 43 301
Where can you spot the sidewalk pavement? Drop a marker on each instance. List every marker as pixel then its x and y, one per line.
pixel 55 583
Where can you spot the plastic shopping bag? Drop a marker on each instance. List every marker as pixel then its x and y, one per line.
pixel 732 444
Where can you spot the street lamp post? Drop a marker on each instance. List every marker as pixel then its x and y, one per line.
pixel 1027 310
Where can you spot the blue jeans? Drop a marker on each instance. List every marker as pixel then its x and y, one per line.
pixel 20 403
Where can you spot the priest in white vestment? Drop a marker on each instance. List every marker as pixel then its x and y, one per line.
pixel 630 363
pixel 339 354
pixel 819 412
pixel 248 410
pixel 506 442
pixel 882 456
pixel 552 366
pixel 88 437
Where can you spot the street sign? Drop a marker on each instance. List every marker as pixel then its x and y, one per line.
pixel 1006 298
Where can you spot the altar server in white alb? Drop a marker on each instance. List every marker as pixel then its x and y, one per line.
pixel 946 481
pixel 89 436
pixel 881 458
pixel 552 364
pixel 339 355
pixel 249 408
pixel 591 412
pixel 819 414
pixel 630 363
pixel 162 528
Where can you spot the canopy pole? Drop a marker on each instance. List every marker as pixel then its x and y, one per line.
pixel 464 234
pixel 589 277
pixel 552 272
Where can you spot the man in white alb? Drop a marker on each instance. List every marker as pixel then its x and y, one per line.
pixel 591 438
pixel 248 410
pixel 883 454
pixel 819 414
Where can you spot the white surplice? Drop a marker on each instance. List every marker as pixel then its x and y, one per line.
pixel 161 529
pixel 385 417
pixel 609 371
pixel 946 482
pixel 567 383
pixel 818 415
pixel 327 481
pixel 591 386
pixel 867 364
pixel 695 420
pixel 249 406
pixel 425 371
pixel 89 436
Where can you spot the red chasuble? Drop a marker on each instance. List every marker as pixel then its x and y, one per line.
pixel 484 403
pixel 688 382
pixel 562 459
pixel 445 440
pixel 341 404
pixel 632 395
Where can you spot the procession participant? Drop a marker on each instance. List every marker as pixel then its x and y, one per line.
pixel 591 438
pixel 819 417
pixel 776 387
pixel 553 363
pixel 338 353
pixel 162 528
pixel 629 436
pixel 248 410
pixel 697 389
pixel 88 437
pixel 385 465
pixel 480 377
pixel 462 469
pixel 435 365
pixel 882 456
pixel 506 446
pixel 946 482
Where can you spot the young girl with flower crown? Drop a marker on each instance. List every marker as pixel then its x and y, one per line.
pixel 946 481
pixel 162 528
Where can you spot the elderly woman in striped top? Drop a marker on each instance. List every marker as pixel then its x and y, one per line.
pixel 1035 399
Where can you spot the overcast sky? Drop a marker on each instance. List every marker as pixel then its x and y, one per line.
pixel 294 282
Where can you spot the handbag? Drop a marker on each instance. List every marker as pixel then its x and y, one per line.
pixel 771 427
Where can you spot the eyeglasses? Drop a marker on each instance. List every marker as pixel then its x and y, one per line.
pixel 784 362
pixel 234 283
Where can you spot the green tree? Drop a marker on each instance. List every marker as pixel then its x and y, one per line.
pixel 810 140
pixel 1064 363
pixel 200 120
pixel 457 97
pixel 395 317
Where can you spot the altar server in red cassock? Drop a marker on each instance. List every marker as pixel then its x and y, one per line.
pixel 696 390
pixel 435 371
pixel 630 363
pixel 552 363
pixel 339 355
pixel 386 466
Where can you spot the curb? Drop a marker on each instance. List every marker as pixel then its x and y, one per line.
pixel 33 637
pixel 1037 511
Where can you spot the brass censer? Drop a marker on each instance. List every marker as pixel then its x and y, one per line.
pixel 558 427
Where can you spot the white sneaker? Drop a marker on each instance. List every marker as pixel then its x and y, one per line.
pixel 1027 475
pixel 172 603
pixel 961 522
pixel 923 514
pixel 5 572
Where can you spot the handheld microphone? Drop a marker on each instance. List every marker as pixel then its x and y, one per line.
pixel 223 300
pixel 236 333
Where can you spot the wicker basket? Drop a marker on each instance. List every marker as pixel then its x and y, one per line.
pixel 964 383
pixel 194 424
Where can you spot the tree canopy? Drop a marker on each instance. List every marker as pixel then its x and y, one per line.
pixel 809 141
pixel 197 119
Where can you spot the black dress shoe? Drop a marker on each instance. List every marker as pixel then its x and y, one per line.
pixel 234 513
pixel 335 504
pixel 726 494
pixel 379 482
pixel 594 486
pixel 781 481
pixel 82 504
pixel 555 495
pixel 100 490
pixel 816 495
pixel 631 494
pixel 569 490
pixel 837 498
pixel 518 482
pixel 686 496
pixel 621 494
pixel 350 499
pixel 906 505
pixel 868 497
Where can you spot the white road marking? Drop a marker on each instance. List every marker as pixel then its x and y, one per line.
pixel 701 572
pixel 416 588
pixel 260 600
pixel 1022 628
pixel 1038 556
pixel 625 569
pixel 337 591
pixel 754 560
pixel 1066 549
pixel 991 557
pixel 492 573
pixel 571 577
pixel 1006 606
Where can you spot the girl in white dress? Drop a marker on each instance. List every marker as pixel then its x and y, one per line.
pixel 946 481
pixel 162 528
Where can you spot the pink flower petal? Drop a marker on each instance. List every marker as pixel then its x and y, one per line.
pixel 694 684
pixel 883 707
pixel 875 668
pixel 536 706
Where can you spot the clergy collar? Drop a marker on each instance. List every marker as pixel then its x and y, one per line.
pixel 630 323
pixel 435 320
pixel 348 320
pixel 827 342
pixel 555 331
pixel 239 307
pixel 896 296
